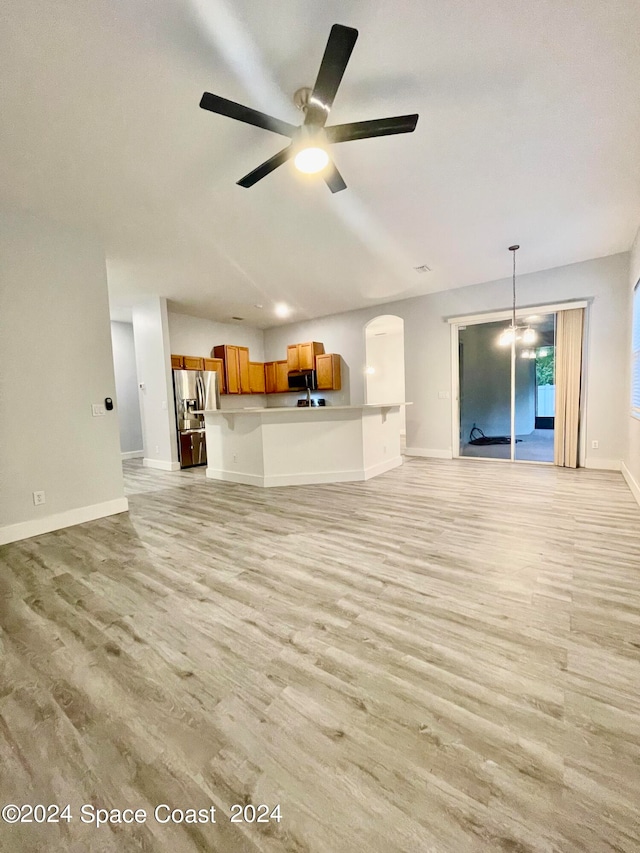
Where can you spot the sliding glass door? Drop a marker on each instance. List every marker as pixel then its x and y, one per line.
pixel 535 391
pixel 507 389
pixel 484 391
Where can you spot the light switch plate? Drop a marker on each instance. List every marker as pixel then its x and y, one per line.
pixel 98 409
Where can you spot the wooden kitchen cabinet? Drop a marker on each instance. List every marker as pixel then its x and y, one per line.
pixel 282 377
pixel 193 362
pixel 257 377
pixel 236 368
pixel 302 356
pixel 231 362
pixel 216 364
pixel 328 372
pixel 276 377
pixel 293 357
pixel 270 377
pixel 243 361
pixel 177 362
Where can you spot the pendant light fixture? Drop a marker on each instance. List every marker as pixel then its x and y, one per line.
pixel 521 334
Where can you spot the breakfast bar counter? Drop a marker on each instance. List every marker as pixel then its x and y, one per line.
pixel 288 446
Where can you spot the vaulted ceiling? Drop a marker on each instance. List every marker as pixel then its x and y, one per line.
pixel 529 131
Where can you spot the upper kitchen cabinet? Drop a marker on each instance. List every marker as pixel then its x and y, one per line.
pixel 270 377
pixel 243 361
pixel 282 377
pixel 276 375
pixel 236 368
pixel 193 362
pixel 302 356
pixel 328 372
pixel 257 377
pixel 177 362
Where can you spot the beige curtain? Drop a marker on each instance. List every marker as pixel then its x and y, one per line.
pixel 569 326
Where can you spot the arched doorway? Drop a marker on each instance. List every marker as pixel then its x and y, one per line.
pixel 384 370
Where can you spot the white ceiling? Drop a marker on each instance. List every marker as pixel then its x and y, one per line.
pixel 529 131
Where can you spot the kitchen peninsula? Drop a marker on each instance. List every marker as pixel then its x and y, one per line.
pixel 284 446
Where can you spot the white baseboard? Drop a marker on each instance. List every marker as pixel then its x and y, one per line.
pixel 381 467
pixel 132 454
pixel 69 518
pixel 631 481
pixel 161 464
pixel 602 464
pixel 304 479
pixel 235 477
pixel 431 454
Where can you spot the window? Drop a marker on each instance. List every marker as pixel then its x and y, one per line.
pixel 635 354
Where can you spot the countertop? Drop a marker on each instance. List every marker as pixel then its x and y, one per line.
pixel 253 410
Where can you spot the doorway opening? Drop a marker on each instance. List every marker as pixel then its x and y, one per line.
pixel 384 370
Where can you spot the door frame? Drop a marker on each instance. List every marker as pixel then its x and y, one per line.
pixel 492 316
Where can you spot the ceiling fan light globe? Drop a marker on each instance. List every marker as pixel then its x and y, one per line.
pixel 311 160
pixel 506 337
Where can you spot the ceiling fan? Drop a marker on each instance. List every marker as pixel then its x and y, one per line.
pixel 309 141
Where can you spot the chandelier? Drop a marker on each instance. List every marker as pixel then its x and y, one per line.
pixel 515 333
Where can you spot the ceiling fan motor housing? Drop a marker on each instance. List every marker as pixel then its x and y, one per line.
pixel 301 98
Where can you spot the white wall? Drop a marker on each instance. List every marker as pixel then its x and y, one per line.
pixel 428 348
pixel 153 367
pixel 55 350
pixel 195 336
pixel 631 467
pixel 127 398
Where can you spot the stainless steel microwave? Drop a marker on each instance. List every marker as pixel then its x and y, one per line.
pixel 302 379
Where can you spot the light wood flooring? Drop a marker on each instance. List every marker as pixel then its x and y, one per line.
pixel 445 659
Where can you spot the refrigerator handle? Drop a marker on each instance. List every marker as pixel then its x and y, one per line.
pixel 200 387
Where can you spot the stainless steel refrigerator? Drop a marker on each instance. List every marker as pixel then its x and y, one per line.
pixel 195 390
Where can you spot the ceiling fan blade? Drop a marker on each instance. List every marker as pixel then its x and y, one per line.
pixel 375 127
pixel 336 56
pixel 216 104
pixel 334 179
pixel 266 168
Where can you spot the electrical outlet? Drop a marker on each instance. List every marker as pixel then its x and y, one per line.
pixel 157 449
pixel 235 457
pixel 38 498
pixel 595 444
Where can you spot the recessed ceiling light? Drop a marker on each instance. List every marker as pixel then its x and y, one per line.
pixel 282 310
